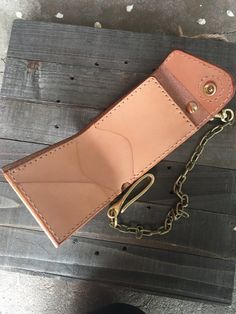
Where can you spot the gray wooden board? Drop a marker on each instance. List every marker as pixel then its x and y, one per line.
pixel 43 57
pixel 49 123
pixel 59 77
pixel 187 236
pixel 218 218
pixel 153 270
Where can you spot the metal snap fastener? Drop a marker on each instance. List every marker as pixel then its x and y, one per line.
pixel 209 88
pixel 192 107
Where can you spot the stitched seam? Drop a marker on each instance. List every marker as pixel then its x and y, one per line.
pixel 214 68
pixel 35 159
pixel 20 168
pixel 221 72
pixel 132 178
pixel 103 203
pixel 49 226
pixel 122 103
pixel 187 56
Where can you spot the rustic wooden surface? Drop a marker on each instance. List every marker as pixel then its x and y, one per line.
pixel 57 79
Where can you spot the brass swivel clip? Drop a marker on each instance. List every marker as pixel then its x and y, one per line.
pixel 120 207
pixel 225 115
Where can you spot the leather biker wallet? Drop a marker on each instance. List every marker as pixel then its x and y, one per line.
pixel 68 183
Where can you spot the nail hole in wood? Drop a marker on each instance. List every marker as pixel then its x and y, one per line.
pixel 124 248
pixel 56 126
pixel 168 167
pixel 58 100
pixel 97 64
pixel 148 207
pixel 96 253
pixel 72 78
pixel 126 62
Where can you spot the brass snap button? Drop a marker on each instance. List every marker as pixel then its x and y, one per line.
pixel 209 88
pixel 192 107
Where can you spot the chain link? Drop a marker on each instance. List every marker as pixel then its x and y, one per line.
pixel 179 211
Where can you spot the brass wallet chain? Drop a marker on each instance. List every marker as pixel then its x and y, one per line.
pixel 226 117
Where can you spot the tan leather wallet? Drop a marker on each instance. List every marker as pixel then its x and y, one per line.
pixel 68 183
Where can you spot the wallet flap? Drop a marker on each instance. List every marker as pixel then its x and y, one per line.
pixel 186 78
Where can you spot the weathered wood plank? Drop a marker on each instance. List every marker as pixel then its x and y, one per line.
pixel 75 44
pixel 153 270
pixel 41 123
pixel 211 189
pixel 13 213
pixel 91 86
pixel 47 124
pixel 103 64
pixel 11 150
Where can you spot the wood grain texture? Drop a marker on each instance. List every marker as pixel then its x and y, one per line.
pixel 58 78
pixel 153 270
pixel 201 234
pixel 49 123
pixel 104 65
pixel 219 197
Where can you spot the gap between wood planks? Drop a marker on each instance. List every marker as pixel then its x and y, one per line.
pixel 166 246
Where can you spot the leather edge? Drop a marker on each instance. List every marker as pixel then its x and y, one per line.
pixel 228 74
pixel 32 210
